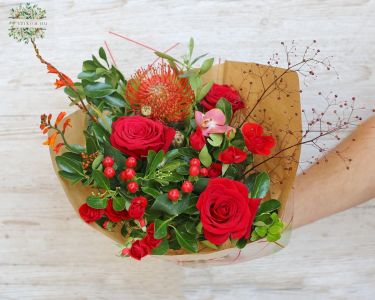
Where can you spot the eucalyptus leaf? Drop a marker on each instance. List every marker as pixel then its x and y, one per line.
pixel 226 108
pixel 205 157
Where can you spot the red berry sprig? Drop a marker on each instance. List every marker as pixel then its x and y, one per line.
pixel 204 172
pixel 109 172
pixel 174 195
pixel 133 187
pixel 108 161
pixel 187 187
pixel 131 162
pixel 127 174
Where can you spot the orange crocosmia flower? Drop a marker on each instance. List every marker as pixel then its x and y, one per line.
pixel 57 148
pixel 60 117
pixel 51 139
pixel 45 130
pixel 66 124
pixel 63 79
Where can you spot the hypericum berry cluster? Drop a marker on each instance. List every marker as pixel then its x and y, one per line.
pixel 195 168
pixel 87 159
pixel 108 163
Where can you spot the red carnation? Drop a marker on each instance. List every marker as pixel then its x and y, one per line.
pixel 139 249
pixel 137 208
pixel 232 155
pixel 218 91
pixel 136 135
pixel 214 170
pixel 89 214
pixel 197 140
pixel 255 141
pixel 226 210
pixel 113 215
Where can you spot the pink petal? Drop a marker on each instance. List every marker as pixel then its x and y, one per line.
pixel 199 117
pixel 217 115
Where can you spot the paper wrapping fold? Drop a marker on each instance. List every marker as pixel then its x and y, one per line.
pixel 278 112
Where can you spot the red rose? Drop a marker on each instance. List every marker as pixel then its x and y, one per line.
pixel 137 208
pixel 255 141
pixel 197 140
pixel 218 91
pixel 139 249
pixel 150 240
pixel 226 210
pixel 89 214
pixel 136 135
pixel 214 170
pixel 114 215
pixel 232 155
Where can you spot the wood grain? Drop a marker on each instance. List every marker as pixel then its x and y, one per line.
pixel 46 252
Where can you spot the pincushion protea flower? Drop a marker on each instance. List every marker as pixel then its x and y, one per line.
pixel 160 91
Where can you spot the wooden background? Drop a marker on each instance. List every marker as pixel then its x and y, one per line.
pixel 46 252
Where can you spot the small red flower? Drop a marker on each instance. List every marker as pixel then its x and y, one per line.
pixel 113 215
pixel 218 91
pixel 89 214
pixel 232 155
pixel 214 170
pixel 137 208
pixel 139 249
pixel 255 141
pixel 197 140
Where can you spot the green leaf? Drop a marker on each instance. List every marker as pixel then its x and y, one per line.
pixel 124 230
pixel 191 46
pixel 171 166
pixel 204 90
pixel 98 90
pixel 150 191
pixel 91 143
pixel 97 161
pixel 115 100
pixel 96 202
pixel 226 108
pixel 276 228
pixel 205 157
pixel 68 165
pixel 161 228
pixel 268 206
pixel 163 204
pixel 100 180
pixel 88 75
pixel 161 249
pixel 206 65
pixel 154 162
pixel 261 231
pixel 209 244
pixel 102 54
pixel 165 56
pixel 186 241
pixel 70 176
pixel 261 185
pixel 195 83
pixel 273 237
pixel 88 65
pixel 215 139
pixel 241 243
pixel 118 203
pixel 200 185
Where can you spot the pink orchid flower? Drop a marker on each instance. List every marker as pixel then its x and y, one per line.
pixel 212 121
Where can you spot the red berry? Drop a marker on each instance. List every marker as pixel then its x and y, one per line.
pixel 131 162
pixel 204 172
pixel 195 162
pixel 194 171
pixel 187 187
pixel 174 195
pixel 133 187
pixel 108 162
pixel 109 172
pixel 127 174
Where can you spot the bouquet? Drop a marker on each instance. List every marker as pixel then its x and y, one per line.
pixel 185 158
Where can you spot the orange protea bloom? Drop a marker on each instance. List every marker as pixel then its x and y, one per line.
pixel 159 92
